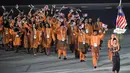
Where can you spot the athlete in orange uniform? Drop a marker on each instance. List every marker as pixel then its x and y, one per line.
pixel 48 36
pixel 95 45
pixel 81 44
pixel 16 39
pixel 109 50
pixel 61 44
pixel 98 25
pixel 1 30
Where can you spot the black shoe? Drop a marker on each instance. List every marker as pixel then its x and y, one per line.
pixel 76 57
pixel 16 51
pixel 65 58
pixel 12 49
pixel 28 51
pixel 6 49
pixel 81 60
pixel 59 57
pixel 95 67
pixel 48 54
pixel 41 52
pixel 56 51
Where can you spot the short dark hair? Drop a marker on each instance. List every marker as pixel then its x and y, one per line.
pixel 94 30
pixel 48 25
pixel 114 39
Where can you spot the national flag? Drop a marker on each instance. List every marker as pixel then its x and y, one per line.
pixel 121 20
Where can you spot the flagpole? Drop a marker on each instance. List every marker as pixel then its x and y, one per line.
pixel 120 2
pixel 119 35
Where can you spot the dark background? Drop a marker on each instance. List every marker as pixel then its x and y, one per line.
pixel 24 2
pixel 94 8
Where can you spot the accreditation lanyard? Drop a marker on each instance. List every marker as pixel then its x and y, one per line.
pixel 83 38
pixel 6 31
pixel 35 33
pixel 62 35
pixel 95 39
pixel 48 33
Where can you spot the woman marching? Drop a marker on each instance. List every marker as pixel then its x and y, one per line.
pixel 115 55
pixel 61 37
pixel 17 39
pixel 109 49
pixel 81 44
pixel 48 36
pixel 110 42
pixel 1 31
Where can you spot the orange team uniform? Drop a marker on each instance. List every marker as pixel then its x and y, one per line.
pixel 26 39
pixel 98 26
pixel 35 39
pixel 30 35
pixel 6 36
pixel 49 35
pixel 27 36
pixel 11 31
pixel 71 36
pixel 75 37
pixel 1 29
pixel 89 31
pixel 69 15
pixel 44 18
pixel 103 35
pixel 12 23
pixel 40 31
pixel 1 20
pixel 61 45
pixel 11 37
pixel 81 45
pixel 17 40
pixel 109 50
pixel 1 23
pixel 55 25
pixel 40 38
pixel 95 44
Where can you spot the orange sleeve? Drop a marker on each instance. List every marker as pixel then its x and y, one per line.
pixel 101 36
pixel 109 44
pixel 69 15
pixel 101 24
pixel 87 36
pixel 38 33
pixel 44 18
pixel 118 46
pixel 53 36
pixel 57 30
pixel 65 19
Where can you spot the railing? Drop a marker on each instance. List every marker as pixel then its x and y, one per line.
pixel 88 6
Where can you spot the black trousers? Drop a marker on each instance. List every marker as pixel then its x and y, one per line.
pixel 72 47
pixel 116 63
pixel 101 42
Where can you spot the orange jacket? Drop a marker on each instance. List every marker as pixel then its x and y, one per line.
pixel 1 20
pixel 99 26
pixel 81 37
pixel 89 28
pixel 61 33
pixel 109 44
pixel 95 39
